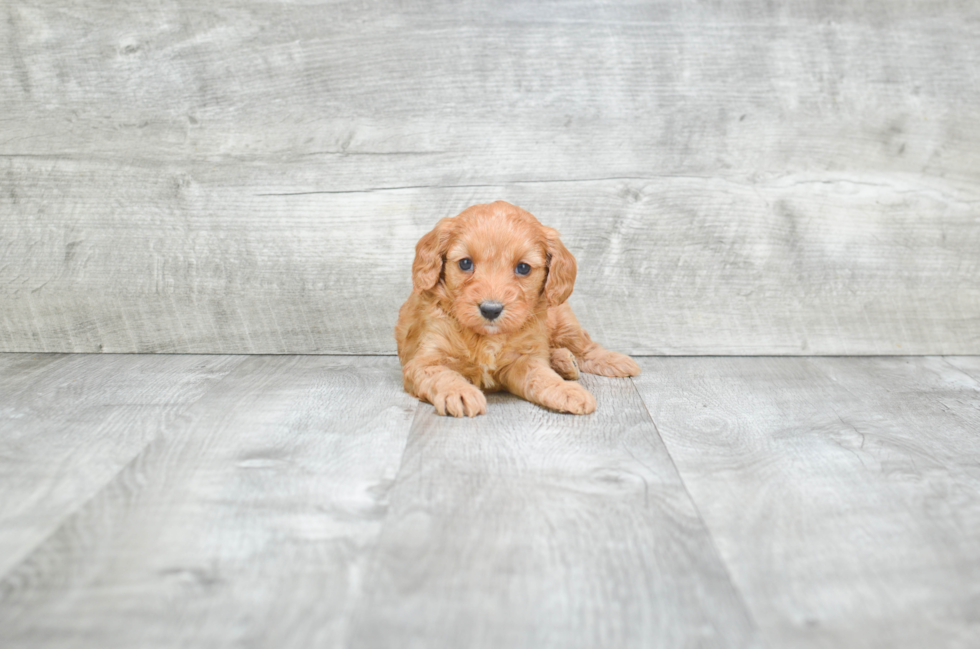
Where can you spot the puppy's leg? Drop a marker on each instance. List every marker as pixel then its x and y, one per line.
pixel 592 357
pixel 596 359
pixel 532 379
pixel 563 362
pixel 444 388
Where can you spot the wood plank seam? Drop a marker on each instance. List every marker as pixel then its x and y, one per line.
pixel 244 443
pixel 975 379
pixel 372 558
pixel 697 508
pixel 55 529
pixel 842 491
pixel 535 425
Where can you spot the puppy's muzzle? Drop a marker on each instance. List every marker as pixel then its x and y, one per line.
pixel 490 309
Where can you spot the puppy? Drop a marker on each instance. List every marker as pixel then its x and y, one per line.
pixel 488 312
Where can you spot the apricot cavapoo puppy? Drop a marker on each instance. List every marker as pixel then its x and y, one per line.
pixel 488 313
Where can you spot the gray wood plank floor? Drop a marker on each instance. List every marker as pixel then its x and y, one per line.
pixel 70 423
pixel 246 522
pixel 843 493
pixel 527 528
pixel 299 501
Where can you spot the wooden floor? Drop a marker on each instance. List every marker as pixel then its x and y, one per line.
pixel 306 501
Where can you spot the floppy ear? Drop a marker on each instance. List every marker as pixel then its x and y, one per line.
pixel 561 269
pixel 428 257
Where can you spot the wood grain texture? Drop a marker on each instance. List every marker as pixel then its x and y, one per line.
pixel 742 177
pixel 843 493
pixel 525 528
pixel 247 524
pixel 69 424
pixel 969 365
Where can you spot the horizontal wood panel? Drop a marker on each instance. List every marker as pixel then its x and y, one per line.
pixel 548 90
pixel 679 265
pixel 736 179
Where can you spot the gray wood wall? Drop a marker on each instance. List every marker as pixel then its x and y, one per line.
pixel 733 177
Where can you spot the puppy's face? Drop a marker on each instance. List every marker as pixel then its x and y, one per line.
pixel 494 274
pixel 498 267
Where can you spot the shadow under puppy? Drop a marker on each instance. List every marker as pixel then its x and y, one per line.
pixel 488 312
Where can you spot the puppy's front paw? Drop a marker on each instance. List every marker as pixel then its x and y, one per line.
pixel 607 363
pixel 461 400
pixel 570 397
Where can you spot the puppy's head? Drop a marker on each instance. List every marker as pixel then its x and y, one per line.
pixel 497 266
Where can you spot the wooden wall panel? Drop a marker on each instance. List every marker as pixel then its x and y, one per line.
pixel 734 179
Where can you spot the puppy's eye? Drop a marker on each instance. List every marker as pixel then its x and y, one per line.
pixel 466 264
pixel 522 269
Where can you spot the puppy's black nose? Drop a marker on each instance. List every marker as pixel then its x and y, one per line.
pixel 491 310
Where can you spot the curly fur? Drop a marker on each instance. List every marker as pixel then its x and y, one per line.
pixel 450 353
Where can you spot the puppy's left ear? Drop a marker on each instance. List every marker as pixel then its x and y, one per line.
pixel 429 252
pixel 561 269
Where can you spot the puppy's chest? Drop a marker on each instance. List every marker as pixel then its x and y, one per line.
pixel 485 360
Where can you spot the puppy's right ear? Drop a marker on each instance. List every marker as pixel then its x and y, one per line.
pixel 429 252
